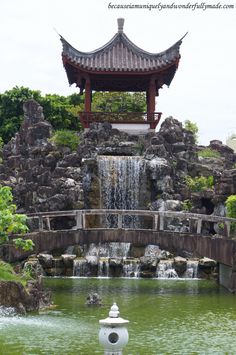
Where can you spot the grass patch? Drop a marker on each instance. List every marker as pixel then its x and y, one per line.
pixel 8 274
pixel 209 153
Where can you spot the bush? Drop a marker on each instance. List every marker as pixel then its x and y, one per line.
pixel 11 222
pixel 231 206
pixel 199 183
pixel 187 205
pixel 66 138
pixel 192 127
pixel 231 210
pixel 209 153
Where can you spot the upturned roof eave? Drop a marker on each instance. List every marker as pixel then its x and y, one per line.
pixel 67 47
pixel 136 71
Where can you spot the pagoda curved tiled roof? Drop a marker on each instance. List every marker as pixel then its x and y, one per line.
pixel 120 54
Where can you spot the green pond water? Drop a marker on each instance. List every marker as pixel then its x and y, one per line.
pixel 166 317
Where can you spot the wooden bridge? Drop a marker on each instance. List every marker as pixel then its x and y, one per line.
pixel 172 231
pixel 160 221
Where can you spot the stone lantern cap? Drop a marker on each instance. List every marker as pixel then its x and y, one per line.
pixel 113 320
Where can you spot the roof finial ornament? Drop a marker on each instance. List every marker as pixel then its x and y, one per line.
pixel 120 22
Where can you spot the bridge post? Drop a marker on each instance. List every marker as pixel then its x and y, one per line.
pixel 119 220
pixel 199 226
pixel 78 219
pixel 155 222
pixel 191 225
pixel 161 227
pixel 48 223
pixel 227 229
pixel 40 223
pixel 83 220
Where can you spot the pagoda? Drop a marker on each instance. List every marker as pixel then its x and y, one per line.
pixel 121 66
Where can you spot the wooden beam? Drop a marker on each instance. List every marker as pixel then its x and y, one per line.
pixel 88 95
pixel 151 100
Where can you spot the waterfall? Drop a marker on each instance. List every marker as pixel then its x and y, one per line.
pixel 192 269
pixel 120 185
pixel 104 260
pixel 165 270
pixel 131 268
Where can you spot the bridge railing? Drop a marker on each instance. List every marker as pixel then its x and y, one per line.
pixel 160 221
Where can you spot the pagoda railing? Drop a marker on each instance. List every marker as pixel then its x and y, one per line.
pixel 86 118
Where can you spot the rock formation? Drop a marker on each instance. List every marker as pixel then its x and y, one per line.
pixel 45 177
pixel 13 294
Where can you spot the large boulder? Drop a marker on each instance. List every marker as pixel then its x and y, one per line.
pixel 180 265
pixel 13 294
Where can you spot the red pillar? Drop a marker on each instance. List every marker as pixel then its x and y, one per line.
pixel 151 101
pixel 151 96
pixel 87 105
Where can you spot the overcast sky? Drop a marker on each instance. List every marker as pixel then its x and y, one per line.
pixel 203 89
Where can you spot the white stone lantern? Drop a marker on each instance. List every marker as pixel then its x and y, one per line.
pixel 113 335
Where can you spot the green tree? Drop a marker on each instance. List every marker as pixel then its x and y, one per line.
pixel 11 222
pixel 60 111
pixel 119 102
pixel 11 109
pixel 192 127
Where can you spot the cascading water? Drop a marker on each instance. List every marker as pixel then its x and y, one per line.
pixel 120 185
pixel 101 260
pixel 192 269
pixel 165 270
pixel 114 259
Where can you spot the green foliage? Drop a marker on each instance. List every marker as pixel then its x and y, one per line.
pixel 199 183
pixel 60 111
pixel 119 102
pixel 7 274
pixel 140 147
pixel 231 206
pixel 1 146
pixel 209 153
pixel 1 143
pixel 11 109
pixel 66 138
pixel 192 127
pixel 187 205
pixel 231 210
pixel 11 222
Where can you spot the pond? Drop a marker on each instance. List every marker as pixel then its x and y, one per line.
pixel 166 317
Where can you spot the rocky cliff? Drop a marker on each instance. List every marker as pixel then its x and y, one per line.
pixel 45 177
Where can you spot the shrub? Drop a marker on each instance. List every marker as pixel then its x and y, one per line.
pixel 199 183
pixel 231 210
pixel 66 138
pixel 209 153
pixel 192 127
pixel 11 222
pixel 231 206
pixel 187 205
